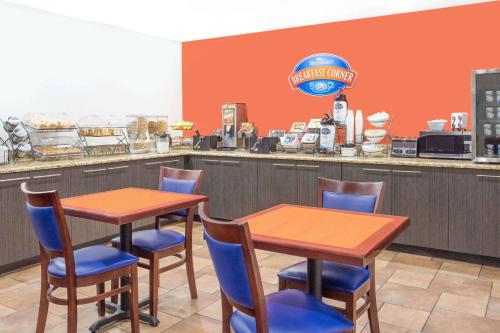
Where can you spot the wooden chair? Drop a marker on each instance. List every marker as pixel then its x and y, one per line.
pixel 154 244
pixel 342 282
pixel 236 267
pixel 62 267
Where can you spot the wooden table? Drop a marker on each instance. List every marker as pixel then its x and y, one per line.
pixel 324 234
pixel 123 207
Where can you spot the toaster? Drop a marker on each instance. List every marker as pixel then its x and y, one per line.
pixel 404 147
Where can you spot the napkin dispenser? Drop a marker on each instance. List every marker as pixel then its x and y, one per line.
pixel 263 145
pixel 205 142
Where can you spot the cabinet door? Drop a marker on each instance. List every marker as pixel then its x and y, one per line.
pixel 249 186
pixel 205 164
pixel 277 183
pixel 307 179
pixel 17 239
pixel 371 173
pixel 146 173
pixel 422 194
pixel 226 189
pixel 92 179
pixel 474 212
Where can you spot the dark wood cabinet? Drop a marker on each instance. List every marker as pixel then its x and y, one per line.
pixel 97 178
pixel 18 241
pixel 371 173
pixel 230 184
pixel 277 183
pixel 474 212
pixel 422 194
pixel 146 173
pixel 307 179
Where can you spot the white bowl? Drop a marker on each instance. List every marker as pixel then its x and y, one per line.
pixel 375 135
pixel 436 124
pixel 379 119
pixel 370 148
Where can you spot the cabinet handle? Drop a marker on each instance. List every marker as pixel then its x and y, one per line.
pixel 118 167
pixel 230 163
pixel 160 162
pixel 94 170
pixel 488 176
pixel 211 161
pixel 305 166
pixel 377 170
pixel 282 165
pixel 54 175
pixel 411 172
pixel 13 179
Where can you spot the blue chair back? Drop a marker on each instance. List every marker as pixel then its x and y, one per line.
pixel 180 181
pixel 364 197
pixel 231 270
pixel 186 186
pixel 352 202
pixel 44 221
pixel 48 221
pixel 233 256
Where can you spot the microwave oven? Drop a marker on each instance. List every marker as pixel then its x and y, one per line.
pixel 445 144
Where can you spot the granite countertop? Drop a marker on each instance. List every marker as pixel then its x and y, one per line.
pixel 26 166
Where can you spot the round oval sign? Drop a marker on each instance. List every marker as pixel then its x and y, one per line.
pixel 322 74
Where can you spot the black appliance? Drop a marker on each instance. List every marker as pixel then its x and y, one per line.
pixel 445 144
pixel 205 142
pixel 263 145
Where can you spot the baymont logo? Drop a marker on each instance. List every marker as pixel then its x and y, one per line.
pixel 322 74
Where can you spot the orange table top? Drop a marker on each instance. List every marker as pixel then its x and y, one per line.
pixel 319 233
pixel 128 204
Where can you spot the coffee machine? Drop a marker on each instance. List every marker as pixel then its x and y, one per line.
pixel 233 114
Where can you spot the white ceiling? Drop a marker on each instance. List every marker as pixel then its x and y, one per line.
pixel 199 19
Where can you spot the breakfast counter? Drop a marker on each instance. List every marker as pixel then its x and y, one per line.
pixel 26 166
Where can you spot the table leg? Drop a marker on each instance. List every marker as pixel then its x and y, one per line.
pixel 373 310
pixel 125 245
pixel 314 277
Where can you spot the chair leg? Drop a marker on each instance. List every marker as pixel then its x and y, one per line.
pixel 281 284
pixel 44 301
pixel 154 284
pixel 157 222
pixel 227 312
pixel 350 309
pixel 134 300
pixel 114 285
pixel 100 304
pixel 190 271
pixel 372 310
pixel 72 310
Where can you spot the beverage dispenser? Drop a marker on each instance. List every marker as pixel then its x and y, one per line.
pixel 233 114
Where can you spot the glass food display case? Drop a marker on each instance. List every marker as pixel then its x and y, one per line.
pixel 103 135
pixel 53 135
pixel 486 116
pixel 142 131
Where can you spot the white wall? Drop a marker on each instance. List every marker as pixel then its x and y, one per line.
pixel 50 63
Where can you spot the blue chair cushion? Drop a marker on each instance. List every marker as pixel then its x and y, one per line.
pixel 352 202
pixel 93 260
pixel 335 276
pixel 154 240
pixel 186 186
pixel 293 311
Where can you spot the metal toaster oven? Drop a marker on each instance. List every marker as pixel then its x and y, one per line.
pixel 404 147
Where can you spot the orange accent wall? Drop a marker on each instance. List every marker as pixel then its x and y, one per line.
pixel 416 66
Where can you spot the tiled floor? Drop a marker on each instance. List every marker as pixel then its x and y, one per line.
pixel 415 293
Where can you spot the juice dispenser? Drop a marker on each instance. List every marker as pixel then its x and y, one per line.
pixel 233 114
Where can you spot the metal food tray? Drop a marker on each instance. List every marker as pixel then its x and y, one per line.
pixel 54 129
pixel 42 155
